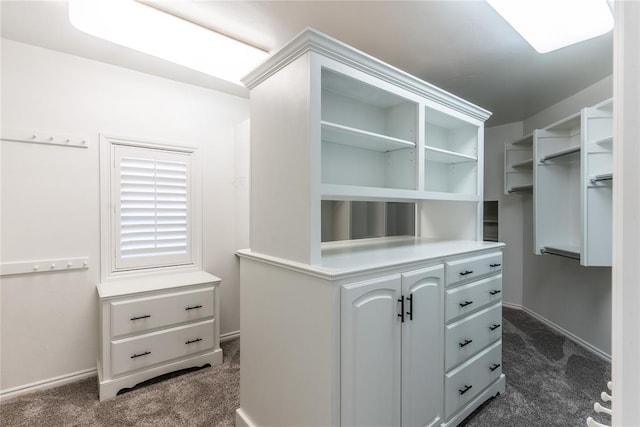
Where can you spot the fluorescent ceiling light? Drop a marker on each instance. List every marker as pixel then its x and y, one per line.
pixel 551 24
pixel 148 30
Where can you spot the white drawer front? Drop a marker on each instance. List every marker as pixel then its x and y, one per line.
pixel 157 347
pixel 472 296
pixel 137 315
pixel 471 334
pixel 464 383
pixel 468 268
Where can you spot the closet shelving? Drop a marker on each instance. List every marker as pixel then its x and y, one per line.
pixel 368 138
pixel 451 156
pixel 518 165
pixel 596 179
pixel 572 192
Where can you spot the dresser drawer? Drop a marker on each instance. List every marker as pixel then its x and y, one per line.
pixel 468 268
pixel 157 347
pixel 472 296
pixel 464 383
pixel 471 334
pixel 138 315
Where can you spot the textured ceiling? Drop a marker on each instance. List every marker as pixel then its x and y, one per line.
pixel 462 46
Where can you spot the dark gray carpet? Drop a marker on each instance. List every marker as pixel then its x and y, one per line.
pixel 550 382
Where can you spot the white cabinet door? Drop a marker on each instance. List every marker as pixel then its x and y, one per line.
pixel 422 379
pixel 370 353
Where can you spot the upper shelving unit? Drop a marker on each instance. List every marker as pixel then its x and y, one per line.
pixel 337 125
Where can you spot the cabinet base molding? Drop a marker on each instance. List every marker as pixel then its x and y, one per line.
pixel 497 387
pixel 110 388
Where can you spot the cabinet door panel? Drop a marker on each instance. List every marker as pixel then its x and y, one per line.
pixel 422 376
pixel 370 353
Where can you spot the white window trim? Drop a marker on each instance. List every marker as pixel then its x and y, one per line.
pixel 108 144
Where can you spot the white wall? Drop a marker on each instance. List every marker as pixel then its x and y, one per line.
pixel 50 196
pixel 509 208
pixel 574 298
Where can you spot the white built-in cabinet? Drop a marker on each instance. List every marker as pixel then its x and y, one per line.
pixel 365 183
pixel 568 165
pixel 383 358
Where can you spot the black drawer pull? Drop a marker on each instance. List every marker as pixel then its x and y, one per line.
pixel 141 317
pixel 410 312
pixel 466 303
pixel 494 265
pixel 140 354
pixel 466 342
pixel 464 273
pixel 495 292
pixel 494 367
pixel 192 341
pixel 494 326
pixel 401 314
pixel 465 389
pixel 193 307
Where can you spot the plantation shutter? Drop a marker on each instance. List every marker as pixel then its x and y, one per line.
pixel 152 208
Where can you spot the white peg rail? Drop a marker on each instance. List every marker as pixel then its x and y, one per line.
pixel 43 266
pixel 43 137
pixel 601 409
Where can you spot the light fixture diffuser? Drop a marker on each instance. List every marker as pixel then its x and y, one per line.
pixel 548 25
pixel 148 30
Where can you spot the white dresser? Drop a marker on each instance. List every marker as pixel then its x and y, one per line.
pixel 155 325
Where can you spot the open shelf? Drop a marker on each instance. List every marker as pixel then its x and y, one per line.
pixel 352 137
pixel 520 188
pixel 523 164
pixel 525 140
pixel 561 153
pixel 440 155
pixel 606 140
pixel 563 251
pixel 601 177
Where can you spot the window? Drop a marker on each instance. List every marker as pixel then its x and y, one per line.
pixel 152 219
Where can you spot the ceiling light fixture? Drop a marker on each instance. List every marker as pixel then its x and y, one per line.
pixel 148 30
pixel 552 24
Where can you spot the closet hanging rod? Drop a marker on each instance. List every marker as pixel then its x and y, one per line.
pixel 560 252
pixel 565 152
pixel 602 177
pixel 519 188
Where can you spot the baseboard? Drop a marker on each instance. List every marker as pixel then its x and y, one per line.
pixel 242 420
pixel 48 383
pixel 229 336
pixel 511 305
pixel 582 343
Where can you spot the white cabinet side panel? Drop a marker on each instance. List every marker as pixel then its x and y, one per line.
pixel 280 159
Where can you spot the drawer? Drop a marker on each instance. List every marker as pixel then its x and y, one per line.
pixel 472 296
pixel 464 383
pixel 468 268
pixel 142 314
pixel 141 351
pixel 471 334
